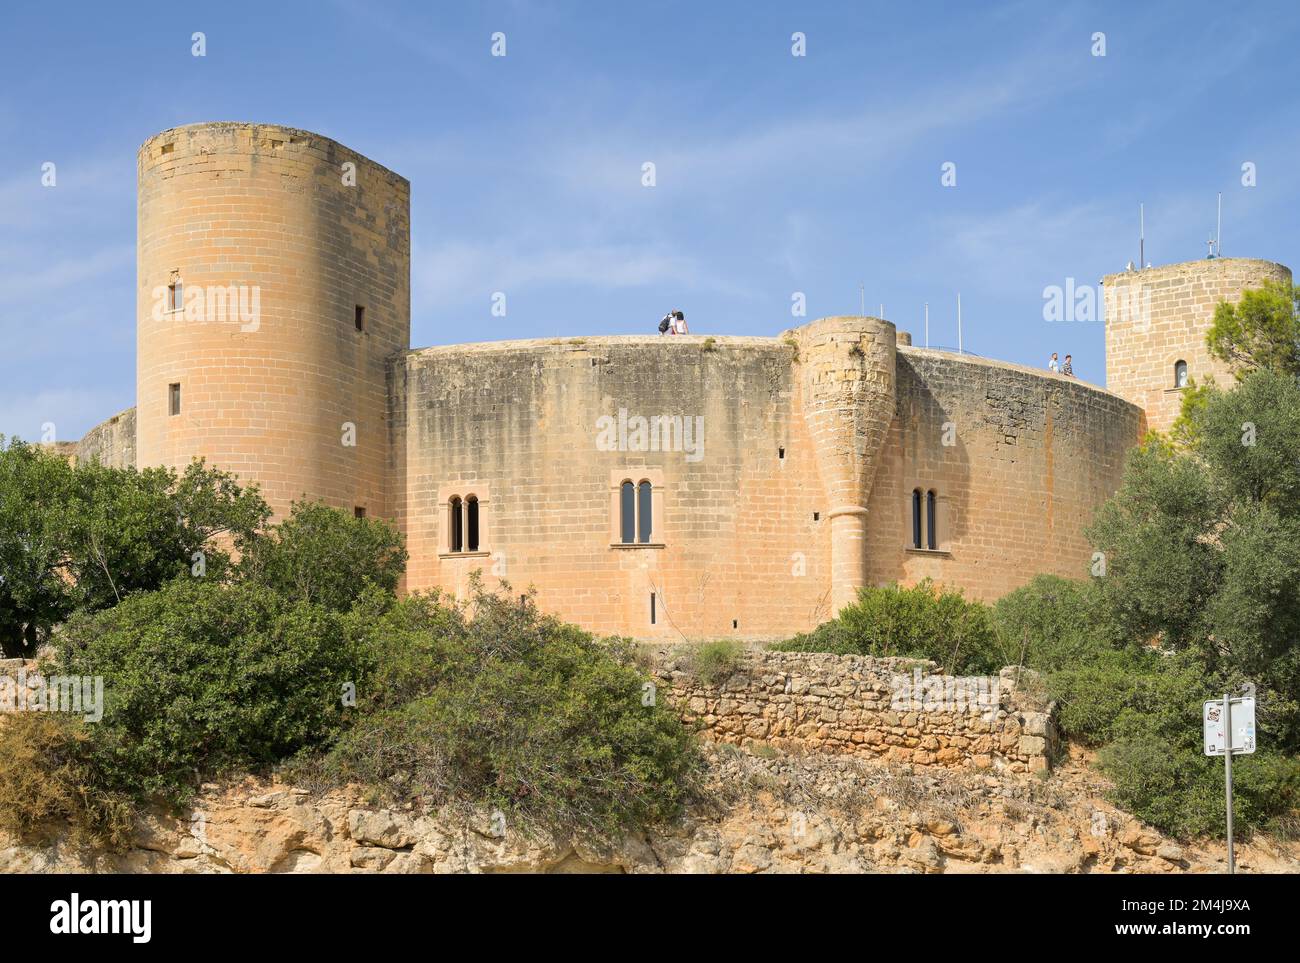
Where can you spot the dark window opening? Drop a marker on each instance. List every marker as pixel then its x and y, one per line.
pixel 456 541
pixel 358 512
pixel 471 523
pixel 360 318
pixel 652 608
pixel 780 453
pixel 916 518
pixel 174 398
pixel 930 501
pixel 1180 374
pixel 817 516
pixel 627 510
pixel 735 623
pixel 643 513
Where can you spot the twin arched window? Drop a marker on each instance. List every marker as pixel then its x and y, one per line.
pixel 925 517
pixel 462 524
pixel 636 517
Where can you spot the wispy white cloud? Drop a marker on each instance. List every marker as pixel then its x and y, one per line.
pixel 464 271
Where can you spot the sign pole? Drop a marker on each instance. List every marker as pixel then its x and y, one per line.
pixel 1227 775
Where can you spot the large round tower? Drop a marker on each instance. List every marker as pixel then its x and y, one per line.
pixel 274 284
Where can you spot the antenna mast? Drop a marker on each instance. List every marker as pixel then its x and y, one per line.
pixel 862 298
pixel 927 324
pixel 959 350
pixel 1142 236
pixel 1218 246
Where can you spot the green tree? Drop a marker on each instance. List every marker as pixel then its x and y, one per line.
pixel 324 555
pixel 1203 545
pixel 1260 332
pixel 35 489
pixel 83 538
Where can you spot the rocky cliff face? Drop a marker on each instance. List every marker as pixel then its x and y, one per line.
pixel 761 813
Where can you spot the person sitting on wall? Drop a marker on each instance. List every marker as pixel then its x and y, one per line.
pixel 679 323
pixel 1053 364
pixel 666 323
pixel 1067 369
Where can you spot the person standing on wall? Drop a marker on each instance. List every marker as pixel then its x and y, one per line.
pixel 1053 364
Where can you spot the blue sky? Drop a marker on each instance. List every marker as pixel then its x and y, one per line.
pixel 775 174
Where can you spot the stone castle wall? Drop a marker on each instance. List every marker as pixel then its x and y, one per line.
pixel 1019 460
pixel 1160 316
pixel 740 542
pixel 892 710
pixel 111 443
pixel 744 541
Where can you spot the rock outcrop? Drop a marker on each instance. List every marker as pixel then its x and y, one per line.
pixel 761 813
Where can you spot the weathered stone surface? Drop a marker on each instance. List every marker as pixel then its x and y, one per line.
pixel 778 814
pixel 891 709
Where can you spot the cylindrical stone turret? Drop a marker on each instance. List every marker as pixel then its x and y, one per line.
pixel 274 280
pixel 848 391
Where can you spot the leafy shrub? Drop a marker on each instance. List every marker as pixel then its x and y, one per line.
pixel 516 710
pixel 712 661
pixel 1049 624
pixel 49 784
pixel 202 678
pixel 924 621
pixel 1179 790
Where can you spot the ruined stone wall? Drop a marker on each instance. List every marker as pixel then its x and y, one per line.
pixel 1019 460
pixel 894 710
pixel 111 443
pixel 1160 316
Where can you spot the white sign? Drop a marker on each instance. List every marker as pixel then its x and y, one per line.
pixel 1243 727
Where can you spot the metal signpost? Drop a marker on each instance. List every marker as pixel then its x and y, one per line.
pixel 1229 729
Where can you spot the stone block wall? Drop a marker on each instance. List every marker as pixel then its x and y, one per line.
pixel 1019 460
pixel 111 443
pixel 892 710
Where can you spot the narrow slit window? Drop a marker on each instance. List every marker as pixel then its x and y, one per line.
pixel 454 526
pixel 916 518
pixel 652 608
pixel 174 398
pixel 930 501
pixel 175 296
pixel 644 513
pixel 359 318
pixel 627 513
pixel 471 524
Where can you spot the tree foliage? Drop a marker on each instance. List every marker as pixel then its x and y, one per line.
pixel 84 538
pixel 1261 332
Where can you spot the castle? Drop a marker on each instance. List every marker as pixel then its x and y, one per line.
pixel 657 487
